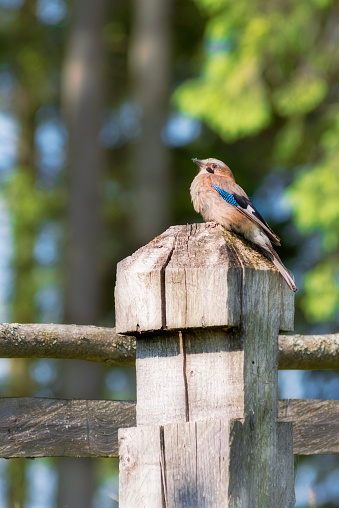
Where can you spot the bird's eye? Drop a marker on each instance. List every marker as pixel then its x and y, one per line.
pixel 214 166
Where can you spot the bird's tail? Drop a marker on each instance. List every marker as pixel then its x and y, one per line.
pixel 282 269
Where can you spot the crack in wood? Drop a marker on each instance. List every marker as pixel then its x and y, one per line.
pixel 163 285
pixel 184 369
pixel 164 494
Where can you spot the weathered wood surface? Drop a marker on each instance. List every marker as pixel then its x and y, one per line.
pixel 105 346
pixel 177 466
pixel 156 286
pixel 93 343
pixel 189 375
pixel 37 427
pixel 166 466
pixel 316 425
pixel 240 465
pixel 309 351
pixel 222 305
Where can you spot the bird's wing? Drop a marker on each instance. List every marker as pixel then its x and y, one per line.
pixel 243 204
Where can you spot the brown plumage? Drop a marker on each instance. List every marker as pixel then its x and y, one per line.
pixel 218 198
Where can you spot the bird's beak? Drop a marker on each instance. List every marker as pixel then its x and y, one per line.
pixel 198 162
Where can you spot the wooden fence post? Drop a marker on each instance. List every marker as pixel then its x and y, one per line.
pixel 206 309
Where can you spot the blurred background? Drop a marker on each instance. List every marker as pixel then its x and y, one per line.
pixel 103 103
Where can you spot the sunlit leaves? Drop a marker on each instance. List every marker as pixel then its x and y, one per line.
pixel 288 140
pixel 270 67
pixel 301 95
pixel 223 104
pixel 314 197
pixel 321 300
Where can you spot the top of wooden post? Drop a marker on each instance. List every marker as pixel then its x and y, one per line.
pixel 194 276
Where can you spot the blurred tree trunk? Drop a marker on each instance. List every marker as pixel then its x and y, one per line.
pixel 150 63
pixel 83 102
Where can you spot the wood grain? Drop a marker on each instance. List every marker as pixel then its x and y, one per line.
pixel 189 375
pixel 139 468
pixel 155 288
pixel 36 427
pixel 222 305
pixel 315 425
pixel 175 470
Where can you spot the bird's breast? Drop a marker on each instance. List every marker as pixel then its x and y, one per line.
pixel 212 207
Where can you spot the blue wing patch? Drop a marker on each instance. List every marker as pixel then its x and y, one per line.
pixel 229 198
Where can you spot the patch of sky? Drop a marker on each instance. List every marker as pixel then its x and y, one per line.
pixel 42 482
pixel 121 383
pixel 305 477
pixel 44 371
pixel 4 369
pixel 121 125
pixel 180 130
pixel 3 483
pixel 7 86
pixel 8 143
pixel 51 12
pixel 321 384
pixel 328 489
pixel 291 384
pixel 49 303
pixel 270 198
pixel 50 139
pixel 6 254
pixel 47 248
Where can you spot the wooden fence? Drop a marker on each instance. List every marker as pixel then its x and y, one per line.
pixel 201 311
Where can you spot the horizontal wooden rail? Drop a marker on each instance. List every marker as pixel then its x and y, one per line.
pixel 92 343
pixel 309 352
pixel 36 427
pixel 105 346
pixel 39 427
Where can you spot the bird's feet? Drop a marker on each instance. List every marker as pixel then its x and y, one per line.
pixel 211 224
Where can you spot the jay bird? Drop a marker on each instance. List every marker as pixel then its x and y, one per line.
pixel 220 200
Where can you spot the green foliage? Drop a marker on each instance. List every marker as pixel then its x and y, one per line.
pixel 29 206
pixel 269 67
pixel 301 95
pixel 321 299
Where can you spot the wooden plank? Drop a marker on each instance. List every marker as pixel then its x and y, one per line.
pixel 37 427
pixel 214 374
pixel 185 465
pixel 222 306
pixel 139 297
pixel 203 259
pixel 315 425
pixel 241 457
pixel 259 453
pixel 161 381
pixel 139 468
pixel 195 464
pixel 186 379
pixel 156 286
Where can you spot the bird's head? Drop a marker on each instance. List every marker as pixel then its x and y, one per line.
pixel 213 166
